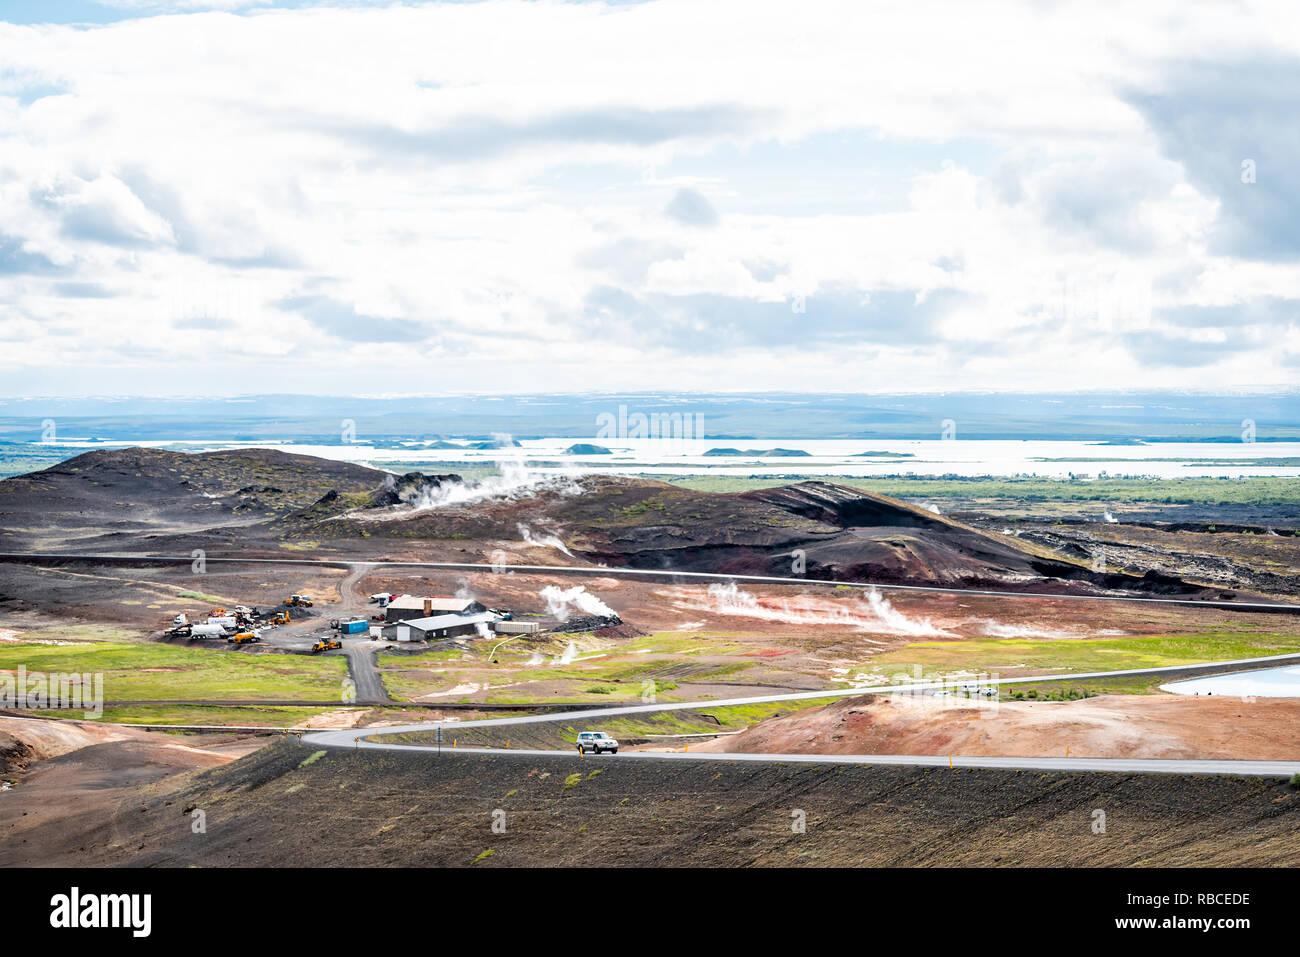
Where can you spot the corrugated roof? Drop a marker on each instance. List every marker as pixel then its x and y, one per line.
pixel 438 604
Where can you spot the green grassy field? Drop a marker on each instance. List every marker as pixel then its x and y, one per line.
pixel 1013 656
pixel 1198 491
pixel 135 670
pixel 729 718
pixel 618 675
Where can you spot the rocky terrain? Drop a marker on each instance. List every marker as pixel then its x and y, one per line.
pixel 1260 559
pixel 831 530
pixel 168 502
pixel 322 809
pixel 103 499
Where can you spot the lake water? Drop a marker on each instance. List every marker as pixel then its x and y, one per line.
pixel 1268 683
pixel 967 457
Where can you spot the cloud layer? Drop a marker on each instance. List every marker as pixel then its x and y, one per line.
pixel 506 196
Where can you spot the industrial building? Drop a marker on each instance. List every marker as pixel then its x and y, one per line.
pixel 408 607
pixel 438 626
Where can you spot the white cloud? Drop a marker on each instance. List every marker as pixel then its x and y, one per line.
pixel 488 183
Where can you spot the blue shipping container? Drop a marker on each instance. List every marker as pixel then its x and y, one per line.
pixel 354 627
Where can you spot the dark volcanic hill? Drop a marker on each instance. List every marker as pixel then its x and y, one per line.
pixel 118 492
pixel 167 501
pixel 842 532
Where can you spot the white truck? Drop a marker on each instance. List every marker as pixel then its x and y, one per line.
pixel 208 630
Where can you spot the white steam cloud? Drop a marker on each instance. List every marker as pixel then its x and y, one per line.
pixel 562 602
pixel 874 614
pixel 543 540
pixel 515 482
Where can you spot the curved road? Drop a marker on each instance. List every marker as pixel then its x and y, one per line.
pixel 350 739
pixel 353 739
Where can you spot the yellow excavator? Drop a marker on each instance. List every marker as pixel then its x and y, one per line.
pixel 280 619
pixel 326 644
pixel 299 601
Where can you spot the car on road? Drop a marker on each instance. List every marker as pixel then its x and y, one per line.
pixel 596 742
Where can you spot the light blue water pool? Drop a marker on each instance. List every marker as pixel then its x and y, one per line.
pixel 1268 683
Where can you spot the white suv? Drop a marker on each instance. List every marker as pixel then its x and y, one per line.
pixel 596 742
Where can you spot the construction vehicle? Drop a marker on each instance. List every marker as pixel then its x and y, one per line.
pixel 217 613
pixel 244 638
pixel 298 601
pixel 207 630
pixel 281 618
pixel 180 620
pixel 326 644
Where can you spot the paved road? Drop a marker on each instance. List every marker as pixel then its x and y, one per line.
pixel 649 573
pixel 354 738
pixel 364 670
pixel 362 652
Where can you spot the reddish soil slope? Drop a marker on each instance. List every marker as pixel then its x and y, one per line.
pixel 1112 726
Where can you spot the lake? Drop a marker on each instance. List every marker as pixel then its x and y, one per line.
pixel 921 457
pixel 1268 683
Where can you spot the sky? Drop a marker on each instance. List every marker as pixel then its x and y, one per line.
pixel 363 198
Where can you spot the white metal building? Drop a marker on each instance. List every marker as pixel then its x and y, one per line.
pixel 437 626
